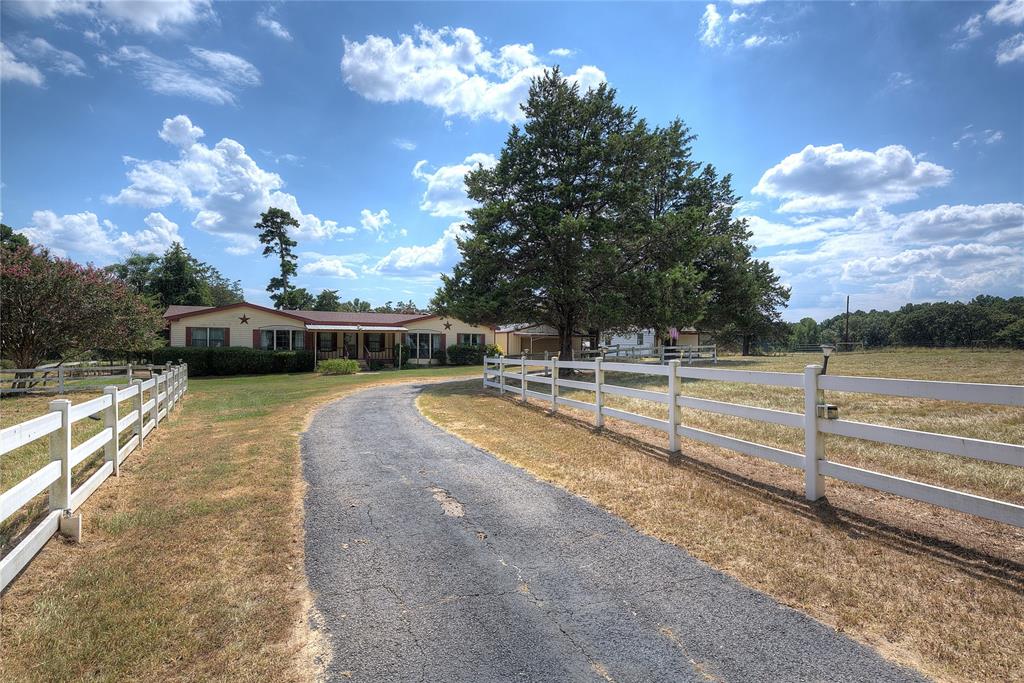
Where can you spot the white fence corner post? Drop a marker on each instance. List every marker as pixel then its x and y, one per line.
pixel 522 381
pixel 673 406
pixel 60 449
pixel 140 417
pixel 598 381
pixel 814 445
pixel 110 419
pixel 485 372
pixel 554 384
pixel 185 388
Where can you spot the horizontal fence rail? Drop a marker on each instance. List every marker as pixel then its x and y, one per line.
pixel 814 421
pixel 165 387
pixel 67 378
pixel 689 354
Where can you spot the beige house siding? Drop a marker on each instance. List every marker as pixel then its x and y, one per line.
pixel 435 325
pixel 241 335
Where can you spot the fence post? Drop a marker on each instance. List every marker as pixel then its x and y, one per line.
pixel 140 418
pixel 110 418
pixel 128 373
pixel 185 378
pixel 501 375
pixel 60 449
pixel 554 384
pixel 60 380
pixel 814 445
pixel 149 367
pixel 547 357
pixel 598 380
pixel 673 406
pixel 522 389
pixel 156 400
pixel 662 354
pixel 485 372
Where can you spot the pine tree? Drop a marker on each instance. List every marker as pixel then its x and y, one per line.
pixel 273 227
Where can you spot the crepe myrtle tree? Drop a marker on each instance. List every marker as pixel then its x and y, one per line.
pixel 56 309
pixel 592 220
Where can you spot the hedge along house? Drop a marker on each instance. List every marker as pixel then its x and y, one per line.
pixel 360 336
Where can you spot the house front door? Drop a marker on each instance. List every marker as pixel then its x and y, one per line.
pixel 351 345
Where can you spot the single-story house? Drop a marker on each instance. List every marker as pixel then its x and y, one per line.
pixel 360 336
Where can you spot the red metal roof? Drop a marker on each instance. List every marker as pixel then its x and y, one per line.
pixel 338 317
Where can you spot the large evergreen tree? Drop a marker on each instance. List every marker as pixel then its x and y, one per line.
pixel 273 227
pixel 593 220
pixel 327 300
pixel 177 277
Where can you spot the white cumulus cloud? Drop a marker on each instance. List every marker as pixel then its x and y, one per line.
pixel 831 177
pixel 422 260
pixel 1007 12
pixel 115 15
pixel 85 235
pixel 340 266
pixel 711 24
pixel 224 187
pixel 1011 50
pixel 11 69
pixel 449 69
pixel 446 188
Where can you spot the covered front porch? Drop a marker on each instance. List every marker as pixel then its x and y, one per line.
pixel 364 343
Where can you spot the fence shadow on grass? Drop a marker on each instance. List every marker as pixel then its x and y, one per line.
pixel 970 561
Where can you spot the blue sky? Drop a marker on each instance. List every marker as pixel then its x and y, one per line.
pixel 879 148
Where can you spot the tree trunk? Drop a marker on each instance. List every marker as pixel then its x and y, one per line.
pixel 746 344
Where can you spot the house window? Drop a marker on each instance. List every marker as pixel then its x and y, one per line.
pixel 282 340
pixel 422 345
pixel 470 339
pixel 328 341
pixel 639 338
pixel 374 341
pixel 208 336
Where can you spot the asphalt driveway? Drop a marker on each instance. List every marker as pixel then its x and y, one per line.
pixel 431 560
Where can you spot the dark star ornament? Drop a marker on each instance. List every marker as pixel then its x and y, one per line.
pixel 244 318
pixel 447 325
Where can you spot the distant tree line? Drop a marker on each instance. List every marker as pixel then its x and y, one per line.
pixel 988 320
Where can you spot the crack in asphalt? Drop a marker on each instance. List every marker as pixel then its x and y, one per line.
pixel 454 566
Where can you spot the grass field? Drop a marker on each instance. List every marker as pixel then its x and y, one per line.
pixel 191 562
pixel 931 588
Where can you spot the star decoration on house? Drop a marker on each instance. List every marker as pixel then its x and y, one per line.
pixel 447 325
pixel 244 318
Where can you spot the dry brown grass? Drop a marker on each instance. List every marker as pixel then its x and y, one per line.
pixel 930 588
pixel 191 566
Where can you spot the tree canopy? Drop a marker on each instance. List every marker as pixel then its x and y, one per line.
pixel 273 227
pixel 56 309
pixel 176 277
pixel 594 220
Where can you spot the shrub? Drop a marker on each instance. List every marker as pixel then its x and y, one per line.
pixel 338 366
pixel 234 360
pixel 465 354
pixel 440 356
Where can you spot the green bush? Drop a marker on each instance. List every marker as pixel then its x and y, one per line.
pixel 338 366
pixel 465 354
pixel 439 356
pixel 234 360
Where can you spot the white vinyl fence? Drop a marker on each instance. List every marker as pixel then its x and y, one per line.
pixel 816 420
pixel 66 378
pixel 164 390
pixel 705 353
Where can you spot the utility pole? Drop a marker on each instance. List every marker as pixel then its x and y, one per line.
pixel 846 334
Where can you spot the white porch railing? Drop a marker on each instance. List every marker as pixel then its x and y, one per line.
pixel 164 388
pixel 816 420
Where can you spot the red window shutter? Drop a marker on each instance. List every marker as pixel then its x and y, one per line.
pixel 309 341
pixel 444 346
pixel 227 336
pixel 188 336
pixel 255 339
